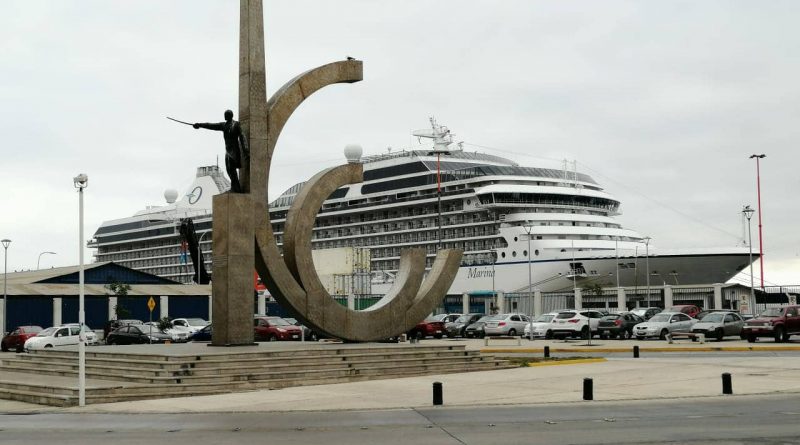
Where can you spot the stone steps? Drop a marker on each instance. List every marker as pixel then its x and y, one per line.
pixel 115 375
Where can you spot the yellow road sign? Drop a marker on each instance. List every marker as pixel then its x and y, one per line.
pixel 151 304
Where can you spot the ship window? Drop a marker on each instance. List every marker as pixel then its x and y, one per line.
pixel 502 254
pixel 515 238
pixel 536 252
pixel 524 253
pixel 514 253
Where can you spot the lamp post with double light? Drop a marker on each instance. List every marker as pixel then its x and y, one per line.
pixel 81 182
pixel 6 242
pixel 748 213
pixel 40 258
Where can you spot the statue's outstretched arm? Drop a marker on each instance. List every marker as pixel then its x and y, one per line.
pixel 217 127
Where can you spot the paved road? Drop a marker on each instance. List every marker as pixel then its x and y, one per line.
pixel 733 419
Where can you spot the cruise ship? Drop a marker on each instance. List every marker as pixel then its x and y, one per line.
pixel 520 227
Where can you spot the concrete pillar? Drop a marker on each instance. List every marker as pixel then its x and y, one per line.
pixel 465 303
pixel 210 307
pixel 718 296
pixel 501 303
pixel 262 304
pixel 112 306
pixel 622 303
pixel 667 296
pixel 163 304
pixel 537 303
pixel 351 301
pixel 578 299
pixel 57 311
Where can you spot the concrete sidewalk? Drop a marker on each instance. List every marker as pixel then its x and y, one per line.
pixel 614 379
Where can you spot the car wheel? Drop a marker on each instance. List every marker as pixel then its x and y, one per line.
pixel 603 336
pixel 273 338
pixel 437 336
pixel 3 347
pixel 663 334
pixel 512 332
pixel 586 333
pixel 20 349
pixel 482 335
pixel 548 335
pixel 719 334
pixel 779 334
pixel 626 335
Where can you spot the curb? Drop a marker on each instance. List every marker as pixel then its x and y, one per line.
pixel 567 362
pixel 646 349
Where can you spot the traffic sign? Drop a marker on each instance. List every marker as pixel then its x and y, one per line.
pixel 151 304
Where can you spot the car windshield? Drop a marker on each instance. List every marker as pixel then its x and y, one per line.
pixel 772 312
pixel 563 315
pixel 47 332
pixel 439 317
pixel 714 317
pixel 487 318
pixel 196 322
pixel 279 322
pixel 660 318
pixel 463 319
pixel 611 317
pixel 32 329
pixel 546 318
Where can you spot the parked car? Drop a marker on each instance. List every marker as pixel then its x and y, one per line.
pixel 779 323
pixel 456 328
pixel 112 325
pixel 506 324
pixel 688 309
pixel 705 312
pixel 88 333
pixel 136 334
pixel 193 324
pixel 645 312
pixel 541 326
pixel 54 336
pixel 429 327
pixel 574 323
pixel 16 339
pixel 308 333
pixel 720 324
pixel 202 335
pixel 274 328
pixel 618 325
pixel 177 333
pixel 446 318
pixel 662 324
pixel 475 330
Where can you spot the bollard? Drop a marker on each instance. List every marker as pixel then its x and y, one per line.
pixel 588 389
pixel 547 352
pixel 635 352
pixel 727 385
pixel 437 393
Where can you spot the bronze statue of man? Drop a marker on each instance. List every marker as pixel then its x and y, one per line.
pixel 237 152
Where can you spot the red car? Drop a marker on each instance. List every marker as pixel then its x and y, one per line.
pixel 688 309
pixel 779 323
pixel 275 328
pixel 432 327
pixel 16 339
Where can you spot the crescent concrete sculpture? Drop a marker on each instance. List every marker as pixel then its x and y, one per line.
pixel 291 278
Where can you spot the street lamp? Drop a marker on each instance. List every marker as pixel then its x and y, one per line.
pixel 6 243
pixel 760 235
pixel 647 265
pixel 748 213
pixel 81 182
pixel 40 258
pixel 199 257
pixel 528 229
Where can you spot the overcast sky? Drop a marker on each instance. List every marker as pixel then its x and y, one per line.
pixel 661 102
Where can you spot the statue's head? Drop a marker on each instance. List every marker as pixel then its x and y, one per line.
pixel 228 115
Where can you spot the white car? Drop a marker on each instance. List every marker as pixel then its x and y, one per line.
pixel 178 333
pixel 541 326
pixel 661 324
pixel 193 324
pixel 576 323
pixel 89 334
pixel 57 336
pixel 506 324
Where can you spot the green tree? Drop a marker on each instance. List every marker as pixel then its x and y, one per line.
pixel 164 323
pixel 119 290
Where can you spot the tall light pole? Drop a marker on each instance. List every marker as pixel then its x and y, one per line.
pixel 647 266
pixel 760 234
pixel 199 258
pixel 81 181
pixel 528 229
pixel 748 213
pixel 40 258
pixel 6 242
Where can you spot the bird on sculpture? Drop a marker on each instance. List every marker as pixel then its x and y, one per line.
pixel 350 58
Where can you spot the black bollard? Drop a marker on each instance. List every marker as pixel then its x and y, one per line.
pixel 635 352
pixel 588 389
pixel 547 352
pixel 437 393
pixel 727 386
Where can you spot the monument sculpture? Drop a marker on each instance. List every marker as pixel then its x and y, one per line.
pixel 242 230
pixel 237 155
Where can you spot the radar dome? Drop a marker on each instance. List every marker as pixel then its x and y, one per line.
pixel 353 153
pixel 170 195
